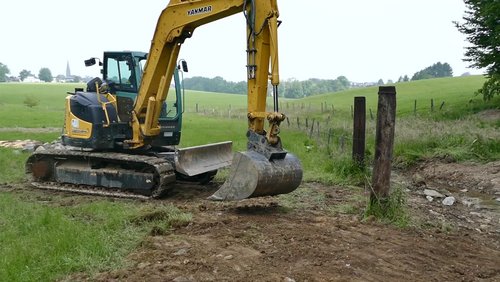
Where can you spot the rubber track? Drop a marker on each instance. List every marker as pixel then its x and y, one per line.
pixel 164 173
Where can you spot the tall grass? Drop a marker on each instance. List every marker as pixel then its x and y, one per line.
pixel 41 241
pixel 12 165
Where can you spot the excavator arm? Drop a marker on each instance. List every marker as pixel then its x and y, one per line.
pixel 178 22
pixel 265 168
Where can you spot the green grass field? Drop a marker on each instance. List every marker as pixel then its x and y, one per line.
pixel 456 92
pixel 42 241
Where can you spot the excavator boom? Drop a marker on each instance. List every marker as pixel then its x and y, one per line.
pixel 275 171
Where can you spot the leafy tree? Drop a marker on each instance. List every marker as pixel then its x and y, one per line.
pixel 76 79
pixel 380 82
pixel 24 74
pixel 343 82
pixel 481 27
pixel 406 78
pixel 436 70
pixel 60 78
pixel 45 75
pixel 4 70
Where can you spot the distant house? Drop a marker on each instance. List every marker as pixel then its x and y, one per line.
pixel 32 79
pixel 362 84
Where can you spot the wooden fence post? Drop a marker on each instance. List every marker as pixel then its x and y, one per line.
pixel 384 142
pixel 358 136
pixel 312 128
pixel 330 134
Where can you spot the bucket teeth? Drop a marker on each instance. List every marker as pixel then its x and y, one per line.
pixel 253 175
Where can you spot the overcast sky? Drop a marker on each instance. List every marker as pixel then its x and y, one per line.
pixel 364 40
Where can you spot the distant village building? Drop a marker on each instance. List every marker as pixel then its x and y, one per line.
pixel 31 79
pixel 362 84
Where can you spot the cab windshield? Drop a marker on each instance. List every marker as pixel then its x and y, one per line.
pixel 120 73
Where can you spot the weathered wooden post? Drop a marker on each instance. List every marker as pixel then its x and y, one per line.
pixel 384 142
pixel 312 129
pixel 330 134
pixel 358 136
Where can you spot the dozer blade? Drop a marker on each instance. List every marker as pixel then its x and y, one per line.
pixel 196 160
pixel 253 175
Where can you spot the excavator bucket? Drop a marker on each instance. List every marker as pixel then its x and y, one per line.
pixel 253 175
pixel 196 160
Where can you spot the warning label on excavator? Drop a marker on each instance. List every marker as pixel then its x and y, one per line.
pixel 75 123
pixel 201 10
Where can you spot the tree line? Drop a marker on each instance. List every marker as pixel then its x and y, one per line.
pixel 291 88
pixel 436 70
pixel 44 74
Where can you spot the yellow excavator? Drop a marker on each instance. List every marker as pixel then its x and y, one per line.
pixel 120 134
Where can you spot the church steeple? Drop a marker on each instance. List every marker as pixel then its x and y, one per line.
pixel 68 72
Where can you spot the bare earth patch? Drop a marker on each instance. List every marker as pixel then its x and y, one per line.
pixel 489 115
pixel 266 240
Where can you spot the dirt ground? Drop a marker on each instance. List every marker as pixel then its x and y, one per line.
pixel 317 234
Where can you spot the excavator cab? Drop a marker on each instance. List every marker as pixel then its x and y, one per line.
pixel 116 93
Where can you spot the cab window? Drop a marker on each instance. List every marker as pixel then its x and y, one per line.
pixel 120 74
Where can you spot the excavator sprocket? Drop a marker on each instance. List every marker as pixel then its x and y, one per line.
pixel 253 175
pixel 100 173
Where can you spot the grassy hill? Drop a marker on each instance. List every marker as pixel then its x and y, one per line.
pixel 456 92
